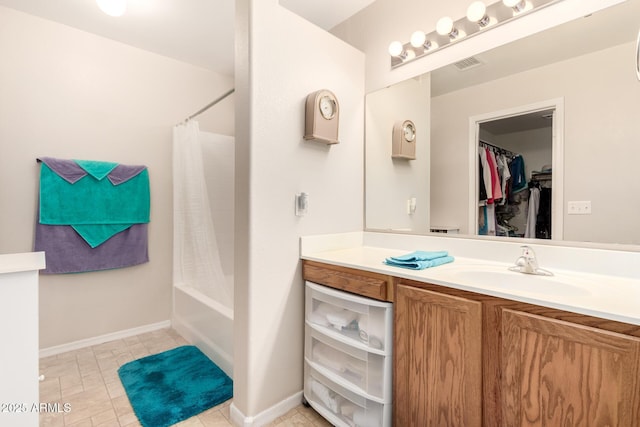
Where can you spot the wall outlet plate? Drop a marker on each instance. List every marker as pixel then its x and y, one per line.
pixel 579 207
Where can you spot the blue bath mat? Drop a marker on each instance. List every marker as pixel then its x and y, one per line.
pixel 172 386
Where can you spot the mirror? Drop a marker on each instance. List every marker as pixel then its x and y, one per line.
pixel 588 65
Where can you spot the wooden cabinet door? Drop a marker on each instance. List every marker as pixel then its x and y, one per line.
pixel 438 360
pixel 556 373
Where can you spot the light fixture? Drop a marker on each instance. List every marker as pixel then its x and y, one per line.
pixel 113 7
pixel 448 31
pixel 445 27
pixel 396 49
pixel 477 12
pixel 517 5
pixel 419 40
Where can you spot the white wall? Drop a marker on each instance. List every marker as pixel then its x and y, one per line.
pixel 390 182
pixel 280 59
pixel 599 149
pixel 70 94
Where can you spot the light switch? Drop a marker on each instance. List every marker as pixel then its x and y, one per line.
pixel 579 207
pixel 302 204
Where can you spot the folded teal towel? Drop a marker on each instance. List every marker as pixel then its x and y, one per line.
pixel 418 264
pixel 420 256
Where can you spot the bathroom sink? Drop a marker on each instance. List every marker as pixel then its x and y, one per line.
pixel 503 279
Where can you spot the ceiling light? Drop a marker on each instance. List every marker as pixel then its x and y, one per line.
pixel 445 27
pixel 477 12
pixel 113 7
pixel 517 5
pixel 396 49
pixel 418 38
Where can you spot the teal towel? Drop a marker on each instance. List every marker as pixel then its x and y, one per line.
pixel 98 170
pixel 419 265
pixel 419 260
pixel 420 256
pixel 96 208
pixel 92 201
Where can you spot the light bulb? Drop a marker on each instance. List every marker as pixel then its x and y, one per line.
pixel 113 7
pixel 516 5
pixel 396 48
pixel 418 38
pixel 444 27
pixel 477 12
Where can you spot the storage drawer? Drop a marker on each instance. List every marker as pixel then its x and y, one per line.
pixel 342 407
pixel 350 318
pixel 367 284
pixel 364 371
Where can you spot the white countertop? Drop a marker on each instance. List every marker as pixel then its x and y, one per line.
pixel 16 263
pixel 608 297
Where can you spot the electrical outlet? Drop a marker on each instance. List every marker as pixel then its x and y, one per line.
pixel 579 207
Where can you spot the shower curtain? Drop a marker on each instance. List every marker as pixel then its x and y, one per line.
pixel 196 257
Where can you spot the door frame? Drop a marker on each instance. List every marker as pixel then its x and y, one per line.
pixel 557 164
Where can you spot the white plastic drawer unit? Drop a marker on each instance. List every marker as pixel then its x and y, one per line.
pixel 348 364
pixel 357 369
pixel 342 407
pixel 350 318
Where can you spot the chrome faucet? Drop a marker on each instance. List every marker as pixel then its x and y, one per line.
pixel 527 263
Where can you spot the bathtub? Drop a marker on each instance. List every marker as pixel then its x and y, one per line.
pixel 205 323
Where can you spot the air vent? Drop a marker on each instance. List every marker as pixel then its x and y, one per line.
pixel 467 63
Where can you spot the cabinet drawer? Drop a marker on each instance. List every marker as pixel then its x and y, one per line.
pixel 371 285
pixel 363 371
pixel 340 406
pixel 349 318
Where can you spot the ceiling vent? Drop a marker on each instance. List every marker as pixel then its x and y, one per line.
pixel 468 63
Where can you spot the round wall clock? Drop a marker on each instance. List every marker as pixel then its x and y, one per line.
pixel 322 111
pixel 403 140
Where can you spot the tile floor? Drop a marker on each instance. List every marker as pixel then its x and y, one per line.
pixel 88 381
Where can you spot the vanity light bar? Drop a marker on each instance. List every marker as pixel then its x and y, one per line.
pixel 479 18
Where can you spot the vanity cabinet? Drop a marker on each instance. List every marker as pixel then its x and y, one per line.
pixel 438 364
pixel 558 373
pixel 467 359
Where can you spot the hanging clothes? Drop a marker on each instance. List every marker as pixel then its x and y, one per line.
pixel 532 215
pixel 495 179
pixel 486 174
pixel 543 219
pixel 519 180
pixel 482 190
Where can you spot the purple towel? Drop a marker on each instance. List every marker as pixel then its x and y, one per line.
pixel 71 171
pixel 67 252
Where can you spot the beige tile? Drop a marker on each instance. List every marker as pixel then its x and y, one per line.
pixel 50 390
pixel 86 404
pixel 51 420
pixel 121 405
pixel 83 423
pixel 128 419
pixel 190 422
pixel 214 418
pixel 105 417
pixel 112 423
pixel 115 389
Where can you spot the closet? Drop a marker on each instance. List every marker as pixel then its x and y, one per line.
pixel 510 203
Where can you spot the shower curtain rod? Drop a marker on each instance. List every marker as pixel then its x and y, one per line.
pixel 209 105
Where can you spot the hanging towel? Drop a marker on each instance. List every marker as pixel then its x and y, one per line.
pixel 87 222
pixel 97 208
pixel 419 260
pixel 67 252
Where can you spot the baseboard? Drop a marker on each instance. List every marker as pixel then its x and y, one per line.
pixel 266 416
pixel 75 345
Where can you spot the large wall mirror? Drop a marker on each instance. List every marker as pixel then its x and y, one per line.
pixel 566 99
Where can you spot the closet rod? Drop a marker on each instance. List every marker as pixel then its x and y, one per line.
pixel 502 150
pixel 209 105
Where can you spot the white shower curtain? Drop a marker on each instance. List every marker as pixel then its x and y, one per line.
pixel 196 257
